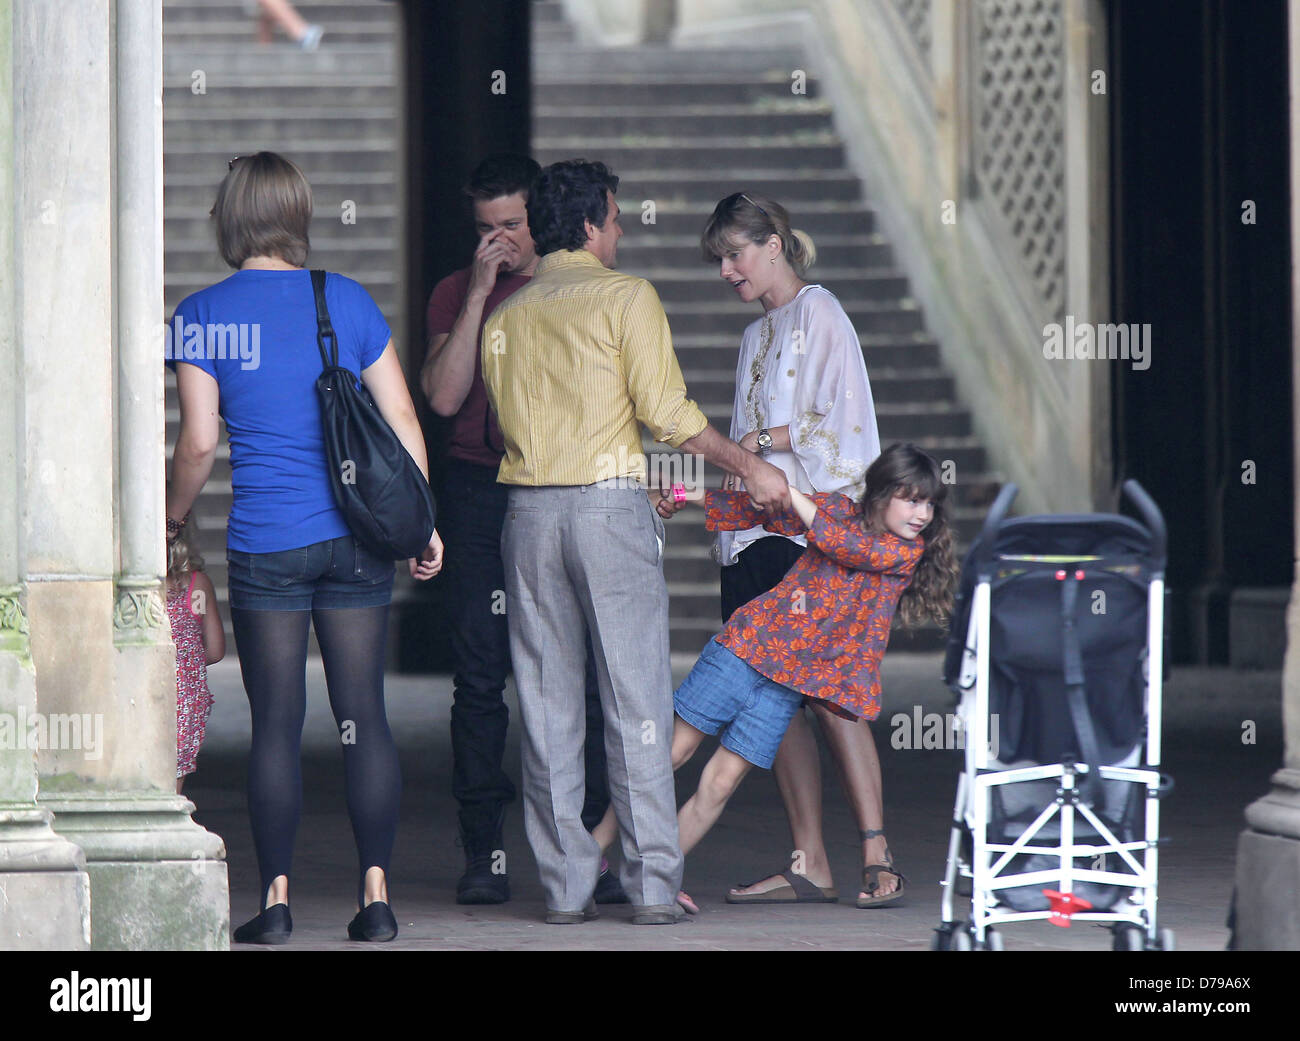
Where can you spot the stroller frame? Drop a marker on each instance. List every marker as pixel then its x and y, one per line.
pixel 1134 918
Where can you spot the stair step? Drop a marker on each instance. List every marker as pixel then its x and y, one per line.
pixel 818 151
pixel 367 154
pixel 871 316
pixel 682 122
pixel 682 253
pixel 202 125
pixel 676 286
pixel 617 91
pixel 657 61
pixel 357 89
pixel 229 62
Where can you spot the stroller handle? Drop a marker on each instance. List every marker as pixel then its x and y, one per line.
pixel 1151 516
pixel 997 512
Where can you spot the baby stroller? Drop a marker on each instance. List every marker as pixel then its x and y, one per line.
pixel 1056 653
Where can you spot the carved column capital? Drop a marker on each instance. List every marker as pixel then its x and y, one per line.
pixel 139 609
pixel 13 619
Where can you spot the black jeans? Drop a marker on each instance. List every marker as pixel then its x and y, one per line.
pixel 472 509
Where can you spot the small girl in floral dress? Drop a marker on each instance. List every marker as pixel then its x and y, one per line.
pixel 200 641
pixel 820 632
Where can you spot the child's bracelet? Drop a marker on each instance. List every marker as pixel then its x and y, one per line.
pixel 174 526
pixel 679 492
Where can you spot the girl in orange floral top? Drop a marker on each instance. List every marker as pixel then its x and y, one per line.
pixel 820 632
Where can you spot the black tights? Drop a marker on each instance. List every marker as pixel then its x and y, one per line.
pixel 272 649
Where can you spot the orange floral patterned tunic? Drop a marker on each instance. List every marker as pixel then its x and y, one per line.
pixel 824 628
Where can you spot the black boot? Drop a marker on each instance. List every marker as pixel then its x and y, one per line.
pixel 485 880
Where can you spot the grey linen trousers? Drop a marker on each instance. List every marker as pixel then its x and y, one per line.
pixel 577 559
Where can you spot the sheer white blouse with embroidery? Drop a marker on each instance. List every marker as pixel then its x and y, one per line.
pixel 808 373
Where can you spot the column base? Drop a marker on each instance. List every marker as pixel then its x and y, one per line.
pixel 1266 914
pixel 44 887
pixel 158 880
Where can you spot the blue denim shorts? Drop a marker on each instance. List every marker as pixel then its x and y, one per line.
pixel 332 574
pixel 722 693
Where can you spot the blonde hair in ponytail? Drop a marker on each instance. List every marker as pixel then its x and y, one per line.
pixel 801 251
pixel 746 215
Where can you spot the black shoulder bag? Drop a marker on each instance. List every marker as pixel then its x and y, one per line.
pixel 377 486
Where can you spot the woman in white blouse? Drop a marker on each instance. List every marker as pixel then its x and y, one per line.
pixel 803 400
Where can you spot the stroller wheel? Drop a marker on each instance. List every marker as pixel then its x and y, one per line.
pixel 961 941
pixel 1165 940
pixel 992 940
pixel 1129 937
pixel 942 938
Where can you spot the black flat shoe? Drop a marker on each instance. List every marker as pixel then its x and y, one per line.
pixel 374 923
pixel 274 925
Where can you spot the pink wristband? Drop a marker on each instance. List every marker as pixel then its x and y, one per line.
pixel 679 493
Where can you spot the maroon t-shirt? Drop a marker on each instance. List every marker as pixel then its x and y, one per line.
pixel 475 436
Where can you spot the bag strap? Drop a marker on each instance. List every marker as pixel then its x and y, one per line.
pixel 324 330
pixel 1076 695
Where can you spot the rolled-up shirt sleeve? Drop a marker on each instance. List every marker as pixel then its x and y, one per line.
pixel 654 379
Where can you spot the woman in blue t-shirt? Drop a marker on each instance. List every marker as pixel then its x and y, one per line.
pixel 249 354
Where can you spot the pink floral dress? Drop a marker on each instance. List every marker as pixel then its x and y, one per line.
pixel 193 701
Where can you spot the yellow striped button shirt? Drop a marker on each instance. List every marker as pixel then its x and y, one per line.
pixel 572 363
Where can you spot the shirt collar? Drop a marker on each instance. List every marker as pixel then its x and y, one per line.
pixel 567 258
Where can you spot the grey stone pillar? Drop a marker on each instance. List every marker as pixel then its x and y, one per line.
pixel 1268 852
pixel 89 164
pixel 44 889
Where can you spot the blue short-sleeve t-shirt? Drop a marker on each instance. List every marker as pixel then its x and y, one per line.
pixel 255 334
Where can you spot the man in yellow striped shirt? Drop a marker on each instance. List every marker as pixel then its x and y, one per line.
pixel 574 364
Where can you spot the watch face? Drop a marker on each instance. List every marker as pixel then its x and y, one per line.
pixel 765 440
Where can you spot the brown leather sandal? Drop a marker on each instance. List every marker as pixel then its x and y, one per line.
pixel 871 878
pixel 797 890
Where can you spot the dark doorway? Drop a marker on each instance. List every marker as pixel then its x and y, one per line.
pixel 1201 251
pixel 467 87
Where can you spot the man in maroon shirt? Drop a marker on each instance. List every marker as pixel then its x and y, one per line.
pixel 471 510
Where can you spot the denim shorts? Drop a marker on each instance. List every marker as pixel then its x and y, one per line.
pixel 722 693
pixel 332 574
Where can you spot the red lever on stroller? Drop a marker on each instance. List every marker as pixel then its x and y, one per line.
pixel 1063 906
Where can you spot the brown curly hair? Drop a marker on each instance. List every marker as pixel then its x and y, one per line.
pixel 905 471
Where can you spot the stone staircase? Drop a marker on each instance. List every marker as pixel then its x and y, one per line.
pixel 334 112
pixel 684 128
pixel 681 128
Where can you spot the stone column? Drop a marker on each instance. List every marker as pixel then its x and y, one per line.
pixel 949 70
pixel 89 165
pixel 44 889
pixel 1087 234
pixel 1267 912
